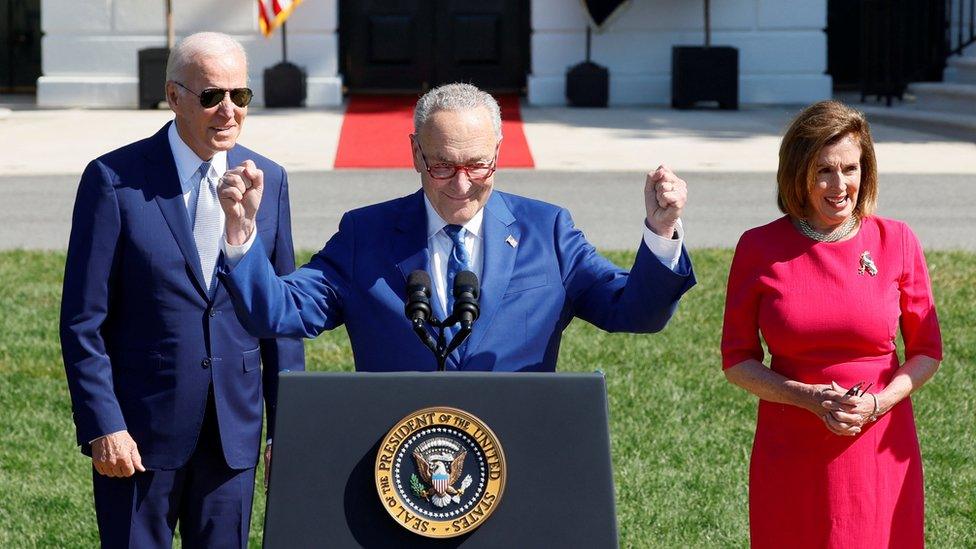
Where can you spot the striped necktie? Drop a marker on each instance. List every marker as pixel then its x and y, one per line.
pixel 207 223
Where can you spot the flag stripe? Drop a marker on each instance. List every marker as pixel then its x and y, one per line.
pixel 272 13
pixel 263 19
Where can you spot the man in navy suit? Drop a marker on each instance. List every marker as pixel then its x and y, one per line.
pixel 166 385
pixel 537 270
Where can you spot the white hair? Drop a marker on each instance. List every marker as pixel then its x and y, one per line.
pixel 456 97
pixel 201 44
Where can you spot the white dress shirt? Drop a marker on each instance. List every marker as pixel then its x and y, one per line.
pixel 667 250
pixel 187 164
pixel 441 246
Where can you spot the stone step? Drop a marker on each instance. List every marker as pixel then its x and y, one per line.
pixel 961 70
pixel 944 97
pixel 908 115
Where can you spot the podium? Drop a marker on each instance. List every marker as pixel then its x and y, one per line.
pixel 329 487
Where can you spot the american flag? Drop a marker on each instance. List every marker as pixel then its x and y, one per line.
pixel 272 13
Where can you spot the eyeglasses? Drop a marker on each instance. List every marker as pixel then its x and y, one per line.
pixel 475 172
pixel 858 389
pixel 211 97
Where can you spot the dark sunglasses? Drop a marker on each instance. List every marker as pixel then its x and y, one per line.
pixel 211 97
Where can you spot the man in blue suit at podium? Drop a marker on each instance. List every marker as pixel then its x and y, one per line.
pixel 537 270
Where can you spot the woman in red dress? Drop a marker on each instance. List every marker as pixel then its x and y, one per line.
pixel 835 461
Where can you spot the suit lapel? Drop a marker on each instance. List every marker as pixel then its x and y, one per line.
pixel 499 261
pixel 410 248
pixel 410 241
pixel 165 182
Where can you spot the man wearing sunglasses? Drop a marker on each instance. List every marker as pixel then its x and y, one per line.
pixel 166 385
pixel 537 271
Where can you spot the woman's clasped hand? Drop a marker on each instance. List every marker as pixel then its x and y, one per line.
pixel 845 413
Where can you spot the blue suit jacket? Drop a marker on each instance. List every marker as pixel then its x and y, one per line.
pixel 529 293
pixel 141 337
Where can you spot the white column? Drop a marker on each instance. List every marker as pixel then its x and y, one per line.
pixel 89 49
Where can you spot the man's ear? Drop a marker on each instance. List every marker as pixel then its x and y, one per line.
pixel 418 162
pixel 172 95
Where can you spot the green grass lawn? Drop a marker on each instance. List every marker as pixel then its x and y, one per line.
pixel 681 434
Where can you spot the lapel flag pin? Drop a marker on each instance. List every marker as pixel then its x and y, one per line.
pixel 511 241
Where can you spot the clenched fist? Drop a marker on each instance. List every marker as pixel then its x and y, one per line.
pixel 665 195
pixel 240 193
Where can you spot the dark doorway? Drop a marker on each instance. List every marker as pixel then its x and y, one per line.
pixel 844 43
pixel 20 45
pixel 880 46
pixel 408 46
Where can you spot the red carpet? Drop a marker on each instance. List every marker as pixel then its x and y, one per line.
pixel 376 128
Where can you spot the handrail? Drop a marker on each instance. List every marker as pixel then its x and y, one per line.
pixel 958 16
pixel 904 41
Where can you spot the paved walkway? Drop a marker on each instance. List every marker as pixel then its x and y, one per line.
pixel 590 160
pixel 607 206
pixel 563 139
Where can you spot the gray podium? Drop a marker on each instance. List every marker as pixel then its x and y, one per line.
pixel 552 428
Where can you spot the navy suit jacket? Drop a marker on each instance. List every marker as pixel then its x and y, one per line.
pixel 141 337
pixel 529 292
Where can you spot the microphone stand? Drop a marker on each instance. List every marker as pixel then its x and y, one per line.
pixel 440 347
pixel 420 314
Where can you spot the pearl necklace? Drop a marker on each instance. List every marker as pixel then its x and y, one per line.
pixel 839 233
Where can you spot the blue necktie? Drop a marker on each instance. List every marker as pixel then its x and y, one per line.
pixel 207 224
pixel 458 261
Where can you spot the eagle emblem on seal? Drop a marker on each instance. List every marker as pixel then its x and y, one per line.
pixel 440 462
pixel 440 472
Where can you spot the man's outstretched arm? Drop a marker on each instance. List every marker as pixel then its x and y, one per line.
pixel 268 305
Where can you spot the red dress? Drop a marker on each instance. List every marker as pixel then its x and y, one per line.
pixel 824 321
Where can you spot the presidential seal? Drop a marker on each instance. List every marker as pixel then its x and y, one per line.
pixel 440 472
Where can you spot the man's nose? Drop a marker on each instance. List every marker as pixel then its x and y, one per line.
pixel 226 105
pixel 461 180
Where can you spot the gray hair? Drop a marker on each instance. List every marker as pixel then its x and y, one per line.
pixel 199 45
pixel 456 97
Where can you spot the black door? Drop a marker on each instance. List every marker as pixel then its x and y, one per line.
pixel 844 36
pixel 408 46
pixel 20 45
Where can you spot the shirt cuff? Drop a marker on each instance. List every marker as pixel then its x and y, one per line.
pixel 232 253
pixel 667 250
pixel 92 441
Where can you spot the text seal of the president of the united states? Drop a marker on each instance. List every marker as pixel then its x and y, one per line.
pixel 440 472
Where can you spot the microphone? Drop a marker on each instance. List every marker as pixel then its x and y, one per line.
pixel 418 311
pixel 466 293
pixel 418 297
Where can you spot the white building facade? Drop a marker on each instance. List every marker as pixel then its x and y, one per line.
pixel 89 49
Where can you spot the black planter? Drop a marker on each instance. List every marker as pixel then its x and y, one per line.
pixel 152 77
pixel 587 85
pixel 284 85
pixel 704 74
